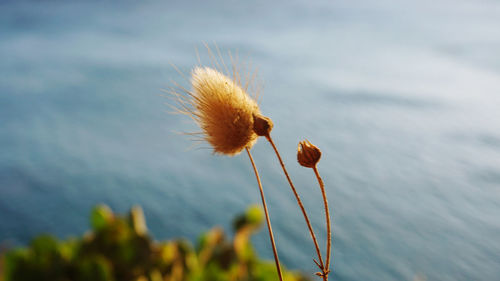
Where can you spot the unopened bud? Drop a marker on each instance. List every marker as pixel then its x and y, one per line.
pixel 308 154
pixel 262 125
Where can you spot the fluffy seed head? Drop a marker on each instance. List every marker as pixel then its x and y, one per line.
pixel 308 154
pixel 222 109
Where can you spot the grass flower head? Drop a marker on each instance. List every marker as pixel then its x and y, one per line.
pixel 222 109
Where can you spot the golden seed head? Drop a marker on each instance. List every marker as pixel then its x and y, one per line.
pixel 262 125
pixel 308 154
pixel 223 110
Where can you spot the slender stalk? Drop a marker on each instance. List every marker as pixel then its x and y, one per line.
pixel 327 216
pixel 299 202
pixel 268 220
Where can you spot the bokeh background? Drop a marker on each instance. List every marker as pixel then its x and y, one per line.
pixel 403 98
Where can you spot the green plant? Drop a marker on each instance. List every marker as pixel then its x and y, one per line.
pixel 119 248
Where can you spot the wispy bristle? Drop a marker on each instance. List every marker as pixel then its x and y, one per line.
pixel 220 107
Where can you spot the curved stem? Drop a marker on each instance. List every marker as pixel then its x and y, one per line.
pixel 299 202
pixel 268 220
pixel 327 216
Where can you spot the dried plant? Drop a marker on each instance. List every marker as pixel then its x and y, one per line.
pixel 231 121
pixel 225 113
pixel 222 110
pixel 267 123
pixel 308 155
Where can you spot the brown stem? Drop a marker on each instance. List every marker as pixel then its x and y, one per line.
pixel 327 216
pixel 299 202
pixel 269 228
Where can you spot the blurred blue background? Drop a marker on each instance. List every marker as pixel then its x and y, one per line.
pixel 403 98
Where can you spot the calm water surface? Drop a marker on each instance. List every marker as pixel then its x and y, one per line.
pixel 403 97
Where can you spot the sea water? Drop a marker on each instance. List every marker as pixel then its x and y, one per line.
pixel 402 97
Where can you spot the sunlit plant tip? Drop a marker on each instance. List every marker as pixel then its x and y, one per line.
pixel 222 109
pixel 308 154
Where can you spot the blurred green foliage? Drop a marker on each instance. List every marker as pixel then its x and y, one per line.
pixel 118 248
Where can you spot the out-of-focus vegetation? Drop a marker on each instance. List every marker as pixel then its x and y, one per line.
pixel 119 248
